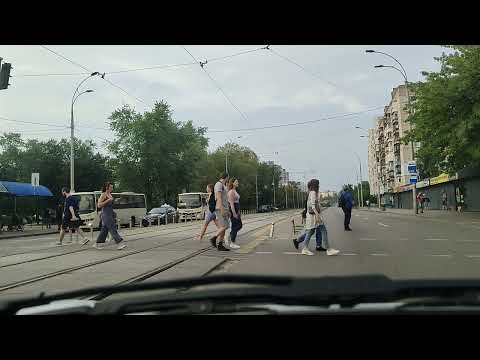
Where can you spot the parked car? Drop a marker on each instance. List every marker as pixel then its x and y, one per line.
pixel 155 214
pixel 265 208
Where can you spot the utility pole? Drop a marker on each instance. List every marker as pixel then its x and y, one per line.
pixel 286 197
pixel 256 188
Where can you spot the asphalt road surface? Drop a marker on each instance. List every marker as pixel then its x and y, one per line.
pixel 396 245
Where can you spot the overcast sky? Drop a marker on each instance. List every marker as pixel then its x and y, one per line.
pixel 267 89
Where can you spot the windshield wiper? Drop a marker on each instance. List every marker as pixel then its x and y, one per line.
pixel 14 305
pixel 346 291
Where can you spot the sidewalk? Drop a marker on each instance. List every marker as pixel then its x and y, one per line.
pixel 29 230
pixel 429 213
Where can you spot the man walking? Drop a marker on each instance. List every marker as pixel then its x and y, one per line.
pixel 223 214
pixel 346 203
pixel 71 219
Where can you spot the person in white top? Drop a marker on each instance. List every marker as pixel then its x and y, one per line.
pixel 314 220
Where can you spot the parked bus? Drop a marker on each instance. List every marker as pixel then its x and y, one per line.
pixel 128 206
pixel 192 205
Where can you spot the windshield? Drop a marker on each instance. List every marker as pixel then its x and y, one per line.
pixel 158 211
pixel 86 203
pixel 271 160
pixel 189 201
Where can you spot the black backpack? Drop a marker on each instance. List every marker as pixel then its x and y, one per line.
pixel 341 201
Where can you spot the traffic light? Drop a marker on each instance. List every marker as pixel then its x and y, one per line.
pixel 5 75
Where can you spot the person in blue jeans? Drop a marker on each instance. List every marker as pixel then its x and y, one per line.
pixel 321 238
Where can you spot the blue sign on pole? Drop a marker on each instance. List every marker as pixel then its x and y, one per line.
pixel 412 167
pixel 413 179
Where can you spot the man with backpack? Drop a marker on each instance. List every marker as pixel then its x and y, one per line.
pixel 346 203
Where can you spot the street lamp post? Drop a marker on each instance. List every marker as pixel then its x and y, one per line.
pixel 72 128
pixel 404 74
pixel 226 155
pixel 361 180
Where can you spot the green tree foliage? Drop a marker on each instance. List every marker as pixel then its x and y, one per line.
pixel 446 114
pixel 19 158
pixel 155 155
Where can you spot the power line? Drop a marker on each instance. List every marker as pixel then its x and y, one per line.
pixel 299 123
pixel 158 67
pixel 83 67
pixel 126 92
pixel 217 85
pixel 302 67
pixel 63 57
pixel 34 123
pixel 57 74
pixel 236 54
pixel 155 67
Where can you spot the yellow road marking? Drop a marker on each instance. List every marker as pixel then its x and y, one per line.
pixel 260 236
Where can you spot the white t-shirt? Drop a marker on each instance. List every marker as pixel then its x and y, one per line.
pixel 219 187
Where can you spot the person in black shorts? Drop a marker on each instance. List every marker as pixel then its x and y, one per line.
pixel 71 219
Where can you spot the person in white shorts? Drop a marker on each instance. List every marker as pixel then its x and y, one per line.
pixel 221 210
pixel 210 214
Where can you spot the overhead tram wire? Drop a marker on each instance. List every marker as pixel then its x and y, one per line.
pixel 154 67
pixel 301 67
pixel 34 123
pixel 103 77
pixel 298 123
pixel 202 65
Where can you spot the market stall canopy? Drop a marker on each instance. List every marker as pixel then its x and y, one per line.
pixel 23 189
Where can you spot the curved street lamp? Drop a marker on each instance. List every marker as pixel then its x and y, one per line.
pixel 72 127
pixel 404 74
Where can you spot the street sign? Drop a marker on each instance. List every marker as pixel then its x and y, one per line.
pixel 413 179
pixel 35 179
pixel 412 167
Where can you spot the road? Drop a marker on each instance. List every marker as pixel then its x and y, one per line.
pixel 396 245
pixel 399 246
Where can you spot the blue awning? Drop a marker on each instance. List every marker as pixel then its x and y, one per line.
pixel 23 189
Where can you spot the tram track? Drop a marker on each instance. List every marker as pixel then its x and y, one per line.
pixel 136 278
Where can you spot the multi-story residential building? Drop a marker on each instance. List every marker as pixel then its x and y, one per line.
pixel 387 169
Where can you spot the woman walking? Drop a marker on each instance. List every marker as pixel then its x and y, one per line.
pixel 210 214
pixel 107 218
pixel 314 222
pixel 234 207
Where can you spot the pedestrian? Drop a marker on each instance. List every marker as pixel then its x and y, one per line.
pixel 221 210
pixel 444 200
pixel 346 203
pixel 58 214
pixel 107 216
pixel 368 203
pixel 314 222
pixel 71 218
pixel 426 202
pixel 234 208
pixel 420 201
pixel 210 214
pixel 46 218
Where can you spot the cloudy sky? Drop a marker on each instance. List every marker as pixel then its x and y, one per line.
pixel 266 88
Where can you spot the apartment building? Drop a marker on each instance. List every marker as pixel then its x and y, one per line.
pixel 387 169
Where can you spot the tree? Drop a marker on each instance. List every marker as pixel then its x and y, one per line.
pixel 19 158
pixel 155 155
pixel 446 114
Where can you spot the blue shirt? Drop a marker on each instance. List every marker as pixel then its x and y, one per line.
pixel 73 202
pixel 347 199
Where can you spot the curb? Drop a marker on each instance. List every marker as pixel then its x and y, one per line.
pixel 27 235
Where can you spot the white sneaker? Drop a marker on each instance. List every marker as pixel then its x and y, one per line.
pixel 234 246
pixel 307 252
pixel 331 252
pixel 121 246
pixel 98 246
